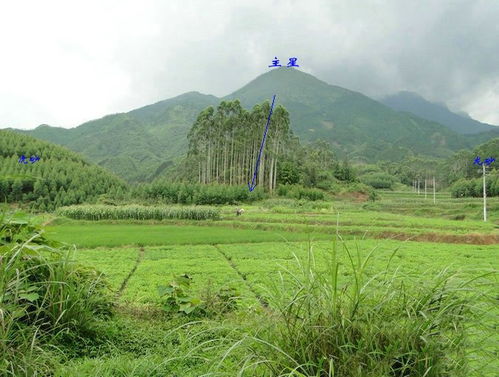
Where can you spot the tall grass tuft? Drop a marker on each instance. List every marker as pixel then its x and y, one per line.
pixel 334 320
pixel 136 212
pixel 44 298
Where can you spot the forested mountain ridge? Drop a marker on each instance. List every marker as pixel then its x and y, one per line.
pixel 417 105
pixel 59 177
pixel 136 145
pixel 355 124
pixel 141 144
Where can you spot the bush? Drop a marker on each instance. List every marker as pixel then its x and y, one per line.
pixel 356 187
pixel 136 212
pixel 299 192
pixel 373 196
pixel 379 180
pixel 474 187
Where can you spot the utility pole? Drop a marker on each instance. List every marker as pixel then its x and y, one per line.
pixel 487 162
pixel 434 199
pixel 484 195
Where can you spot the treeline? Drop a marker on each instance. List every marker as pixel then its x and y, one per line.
pixel 474 187
pixel 59 178
pixel 447 172
pixel 220 163
pixel 163 191
pixel 224 144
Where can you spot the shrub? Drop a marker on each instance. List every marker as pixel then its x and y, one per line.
pixel 373 195
pixel 474 187
pixel 356 187
pixel 379 180
pixel 299 192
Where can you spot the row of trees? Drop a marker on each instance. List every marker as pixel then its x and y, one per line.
pixel 224 144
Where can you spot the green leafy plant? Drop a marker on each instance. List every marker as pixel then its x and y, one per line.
pixel 177 296
pixel 179 299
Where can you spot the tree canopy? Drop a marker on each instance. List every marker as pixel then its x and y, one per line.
pixel 60 177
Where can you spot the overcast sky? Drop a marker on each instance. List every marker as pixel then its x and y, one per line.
pixel 66 62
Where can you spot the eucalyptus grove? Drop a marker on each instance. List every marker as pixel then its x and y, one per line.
pixel 224 144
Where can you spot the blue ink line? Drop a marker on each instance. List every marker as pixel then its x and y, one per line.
pixel 253 181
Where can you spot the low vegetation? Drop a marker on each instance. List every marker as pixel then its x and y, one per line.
pixel 47 301
pixel 192 193
pixel 374 325
pixel 474 187
pixel 136 212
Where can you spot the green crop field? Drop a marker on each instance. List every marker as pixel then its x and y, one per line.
pixel 251 254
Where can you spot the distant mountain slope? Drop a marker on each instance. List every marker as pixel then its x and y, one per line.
pixel 417 105
pixel 143 143
pixel 59 177
pixel 134 144
pixel 355 123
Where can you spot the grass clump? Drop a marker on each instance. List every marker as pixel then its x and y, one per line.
pixel 373 325
pixel 45 299
pixel 136 212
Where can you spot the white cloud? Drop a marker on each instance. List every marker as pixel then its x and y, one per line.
pixel 65 62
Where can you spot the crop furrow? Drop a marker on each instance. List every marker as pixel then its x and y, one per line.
pixel 250 286
pixel 140 257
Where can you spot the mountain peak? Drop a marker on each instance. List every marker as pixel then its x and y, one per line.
pixel 290 85
pixel 436 112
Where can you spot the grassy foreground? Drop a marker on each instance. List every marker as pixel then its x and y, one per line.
pixel 379 303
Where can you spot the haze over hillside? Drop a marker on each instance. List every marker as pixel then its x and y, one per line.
pixel 440 113
pixel 141 144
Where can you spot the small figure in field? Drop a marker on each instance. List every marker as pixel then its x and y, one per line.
pixel 239 212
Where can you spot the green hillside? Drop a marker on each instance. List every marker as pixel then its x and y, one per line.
pixel 136 145
pixel 59 177
pixel 141 144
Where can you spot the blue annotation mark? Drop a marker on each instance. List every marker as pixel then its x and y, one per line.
pixel 292 63
pixel 32 159
pixel 487 161
pixel 253 181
